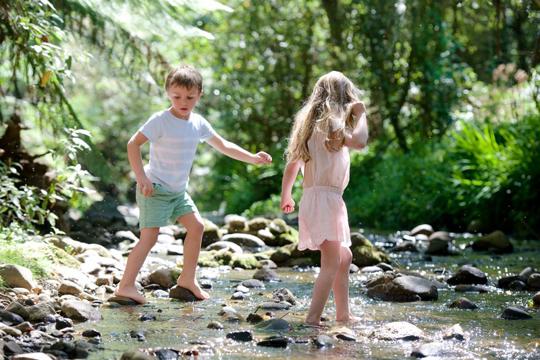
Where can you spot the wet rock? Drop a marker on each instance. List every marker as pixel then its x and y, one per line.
pixel 278 227
pixel 405 246
pixel 10 318
pixel 533 282
pixel 258 223
pixel 267 263
pixel 160 294
pixel 63 323
pixel 225 245
pixel 240 335
pixel 425 229
pixel 215 325
pixel 166 354
pixel 91 333
pixel 284 294
pixel 253 284
pixel 468 274
pixel 455 332
pixel 135 355
pixel 472 288
pixel 322 341
pixel 504 282
pixel 244 240
pixel 275 341
pixel 371 269
pixel 17 276
pixel 254 318
pixel 399 330
pixel 32 356
pixel 439 243
pixel 365 253
pixel 10 330
pixel 166 278
pixel 536 299
pixel 238 296
pixel 182 294
pixel 526 273
pixel 496 241
pixel 69 288
pixel 236 223
pixel 266 236
pixel 80 311
pixel 16 307
pixel 403 288
pixel 515 313
pixel 120 300
pixel 269 305
pixel 211 233
pixel 282 254
pixel 137 334
pixel 25 327
pixel 11 347
pixel 463 303
pixel 353 269
pixel 147 317
pixel 274 325
pixel 266 274
pixel 517 285
pixel 385 267
pixel 244 261
pixel 432 349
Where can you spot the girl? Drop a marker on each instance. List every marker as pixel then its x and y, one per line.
pixel 332 121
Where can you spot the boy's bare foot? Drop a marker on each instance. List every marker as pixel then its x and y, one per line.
pixel 131 293
pixel 194 288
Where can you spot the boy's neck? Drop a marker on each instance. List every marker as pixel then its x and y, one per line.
pixel 178 116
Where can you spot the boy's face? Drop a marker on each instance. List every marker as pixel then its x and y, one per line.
pixel 183 100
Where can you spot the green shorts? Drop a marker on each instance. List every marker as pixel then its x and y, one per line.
pixel 163 207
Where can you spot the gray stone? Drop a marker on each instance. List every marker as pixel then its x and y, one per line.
pixel 267 263
pixel 496 241
pixel 163 277
pixel 323 341
pixel 439 243
pixel 10 318
pixel 240 335
pixel 40 311
pixel 135 355
pixel 69 288
pixel 533 282
pixel 425 229
pixel 399 330
pixel 468 275
pixel 16 307
pixel 403 289
pixel 515 313
pixel 253 284
pixel 274 325
pixel 270 305
pixel 80 311
pixel 455 332
pixel 17 276
pixel 182 294
pixel 32 356
pixel 284 294
pixel 216 325
pixel 245 240
pixel 275 341
pixel 230 246
pixel 266 274
pixel 432 349
pixel 463 303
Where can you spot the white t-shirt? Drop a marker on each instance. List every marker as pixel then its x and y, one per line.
pixel 173 143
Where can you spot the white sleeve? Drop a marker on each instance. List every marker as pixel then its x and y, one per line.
pixel 152 129
pixel 205 130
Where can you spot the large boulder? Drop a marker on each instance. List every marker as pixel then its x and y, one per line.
pixel 496 241
pixel 439 243
pixel 17 276
pixel 365 253
pixel 402 288
pixel 80 310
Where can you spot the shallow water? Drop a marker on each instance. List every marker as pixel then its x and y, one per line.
pixel 183 326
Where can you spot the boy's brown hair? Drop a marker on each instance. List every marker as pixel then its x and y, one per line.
pixel 185 76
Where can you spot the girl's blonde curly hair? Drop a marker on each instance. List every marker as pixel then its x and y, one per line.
pixel 329 110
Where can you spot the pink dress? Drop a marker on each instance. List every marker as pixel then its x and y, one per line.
pixel 323 214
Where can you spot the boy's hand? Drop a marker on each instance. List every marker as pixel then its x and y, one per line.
pixel 262 158
pixel 145 186
pixel 287 204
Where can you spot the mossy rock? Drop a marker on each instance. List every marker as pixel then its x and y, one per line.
pixel 357 239
pixel 257 224
pixel 244 261
pixel 368 255
pixel 206 259
pixel 496 241
pixel 282 254
pixel 278 226
pixel 212 233
pixel 285 238
pixel 224 257
pixel 236 223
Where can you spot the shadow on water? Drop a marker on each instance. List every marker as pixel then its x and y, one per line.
pixel 183 326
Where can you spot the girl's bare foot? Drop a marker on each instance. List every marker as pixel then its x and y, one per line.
pixel 194 288
pixel 131 293
pixel 351 319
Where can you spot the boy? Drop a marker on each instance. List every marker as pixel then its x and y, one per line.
pixel 162 184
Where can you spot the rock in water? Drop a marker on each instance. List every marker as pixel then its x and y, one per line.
pixel 496 241
pixel 463 303
pixel 468 274
pixel 515 313
pixel 399 330
pixel 240 335
pixel 182 294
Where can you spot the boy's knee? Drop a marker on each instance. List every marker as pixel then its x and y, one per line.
pixel 196 227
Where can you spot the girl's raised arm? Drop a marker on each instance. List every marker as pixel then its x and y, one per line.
pixel 359 137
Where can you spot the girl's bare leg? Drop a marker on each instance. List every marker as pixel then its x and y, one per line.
pixel 135 260
pixel 330 262
pixel 341 286
pixel 194 225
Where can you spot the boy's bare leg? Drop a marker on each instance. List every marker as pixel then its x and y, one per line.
pixel 341 286
pixel 135 260
pixel 330 262
pixel 194 225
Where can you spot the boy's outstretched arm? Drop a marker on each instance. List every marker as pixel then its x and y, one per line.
pixel 289 176
pixel 359 137
pixel 135 160
pixel 236 152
